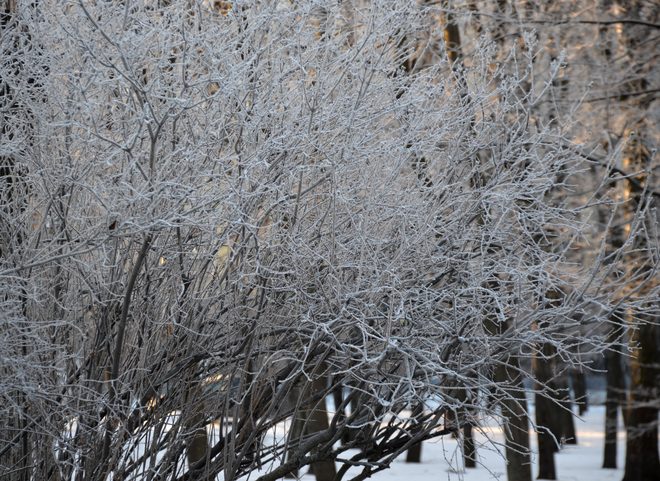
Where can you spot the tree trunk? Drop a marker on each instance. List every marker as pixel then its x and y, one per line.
pixel 611 421
pixel 545 414
pixel 519 466
pixel 199 442
pixel 308 420
pixel 579 380
pixel 469 450
pixel 615 392
pixel 547 444
pixel 516 424
pixel 414 454
pixel 565 412
pixel 467 420
pixel 323 470
pixel 642 460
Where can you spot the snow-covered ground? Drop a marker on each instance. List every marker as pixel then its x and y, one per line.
pixel 442 461
pixel 442 458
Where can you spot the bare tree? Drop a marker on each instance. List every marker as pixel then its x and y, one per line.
pixel 227 211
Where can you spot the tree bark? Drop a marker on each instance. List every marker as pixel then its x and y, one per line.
pixel 516 424
pixel 579 380
pixel 614 392
pixel 414 454
pixel 545 413
pixel 324 470
pixel 310 420
pixel 469 450
pixel 642 459
pixel 199 442
pixel 547 444
pixel 565 412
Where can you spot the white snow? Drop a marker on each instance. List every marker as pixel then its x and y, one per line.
pixel 442 460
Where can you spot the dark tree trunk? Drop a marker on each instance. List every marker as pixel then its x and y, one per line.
pixel 565 412
pixel 469 450
pixel 323 470
pixel 516 424
pixel 545 413
pixel 414 454
pixel 513 407
pixel 642 460
pixel 519 466
pixel 579 380
pixel 198 446
pixel 467 421
pixel 615 391
pixel 553 419
pixel 611 420
pixel 547 445
pixel 311 418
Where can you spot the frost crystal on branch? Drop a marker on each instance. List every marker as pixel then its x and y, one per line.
pixel 217 214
